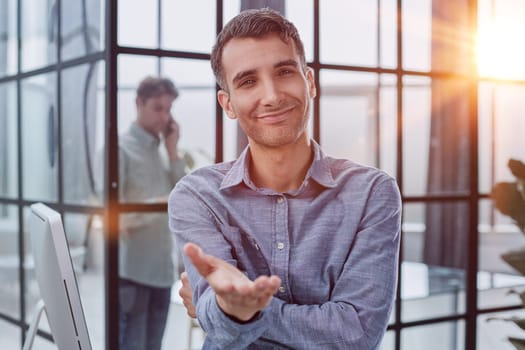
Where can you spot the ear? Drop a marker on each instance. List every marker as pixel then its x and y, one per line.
pixel 224 100
pixel 311 82
pixel 138 101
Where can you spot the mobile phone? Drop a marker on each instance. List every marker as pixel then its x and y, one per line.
pixel 169 127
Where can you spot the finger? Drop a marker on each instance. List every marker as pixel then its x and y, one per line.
pixel 267 285
pixel 275 282
pixel 185 293
pixel 190 309
pixel 184 279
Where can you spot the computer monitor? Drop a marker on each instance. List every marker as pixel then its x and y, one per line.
pixel 56 281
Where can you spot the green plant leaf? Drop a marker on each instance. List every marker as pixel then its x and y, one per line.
pixel 516 259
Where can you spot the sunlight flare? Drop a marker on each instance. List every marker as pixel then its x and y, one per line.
pixel 500 52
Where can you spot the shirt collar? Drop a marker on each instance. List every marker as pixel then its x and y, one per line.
pixel 143 136
pixel 319 170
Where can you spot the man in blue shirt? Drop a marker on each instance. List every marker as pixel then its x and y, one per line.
pixel 299 250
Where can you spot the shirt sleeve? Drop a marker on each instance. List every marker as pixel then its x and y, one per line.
pixel 192 220
pixel 177 170
pixel 357 313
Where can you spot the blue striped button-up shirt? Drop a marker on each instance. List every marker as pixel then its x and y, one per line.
pixel 334 243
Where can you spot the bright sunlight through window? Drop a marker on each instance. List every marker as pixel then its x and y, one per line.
pixel 500 51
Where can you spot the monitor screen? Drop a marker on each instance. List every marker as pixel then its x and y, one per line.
pixel 56 279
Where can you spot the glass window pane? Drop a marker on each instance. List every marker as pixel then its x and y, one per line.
pixel 499 254
pixel 435 36
pixel 132 12
pixel 231 138
pixel 416 125
pixel 39 33
pixel 82 103
pixel 387 152
pixel 433 270
pixel 194 109
pixel 342 20
pixel 300 13
pixel 500 28
pixel 388 38
pixel 436 136
pixel 388 342
pixel 485 136
pixel 446 335
pixel 417 34
pixel 182 332
pixel 507 122
pixel 180 17
pixel 10 335
pixel 39 138
pixel 8 141
pixel 349 115
pixel 131 70
pixel 82 27
pixel 8 38
pixel 230 9
pixel 494 330
pixel 9 262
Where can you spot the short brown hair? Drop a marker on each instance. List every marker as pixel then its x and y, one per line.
pixel 253 24
pixel 156 86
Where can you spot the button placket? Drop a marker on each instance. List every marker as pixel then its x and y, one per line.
pixel 280 243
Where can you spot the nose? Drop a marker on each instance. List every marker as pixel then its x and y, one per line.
pixel 166 116
pixel 271 93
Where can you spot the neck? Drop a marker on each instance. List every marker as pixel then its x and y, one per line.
pixel 281 169
pixel 142 125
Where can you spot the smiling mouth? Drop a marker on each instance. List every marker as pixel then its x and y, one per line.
pixel 275 117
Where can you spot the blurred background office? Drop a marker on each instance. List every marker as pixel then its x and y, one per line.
pixel 431 91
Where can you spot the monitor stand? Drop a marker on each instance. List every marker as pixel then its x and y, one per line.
pixel 37 313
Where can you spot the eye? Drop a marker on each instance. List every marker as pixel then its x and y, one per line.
pixel 247 82
pixel 285 71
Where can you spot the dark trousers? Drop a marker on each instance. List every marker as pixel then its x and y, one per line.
pixel 143 312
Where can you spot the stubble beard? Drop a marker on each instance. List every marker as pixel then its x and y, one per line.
pixel 277 136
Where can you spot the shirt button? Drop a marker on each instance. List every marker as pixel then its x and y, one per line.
pixel 280 245
pixel 280 200
pixel 281 289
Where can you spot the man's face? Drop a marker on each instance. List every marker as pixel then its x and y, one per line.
pixel 154 113
pixel 268 91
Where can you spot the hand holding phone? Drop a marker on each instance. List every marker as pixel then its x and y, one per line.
pixel 171 138
pixel 169 127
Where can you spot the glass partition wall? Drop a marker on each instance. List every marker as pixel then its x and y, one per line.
pixel 52 97
pixel 400 88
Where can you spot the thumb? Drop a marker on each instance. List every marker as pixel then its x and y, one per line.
pixel 202 262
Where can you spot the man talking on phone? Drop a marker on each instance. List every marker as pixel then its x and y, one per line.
pixel 146 267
